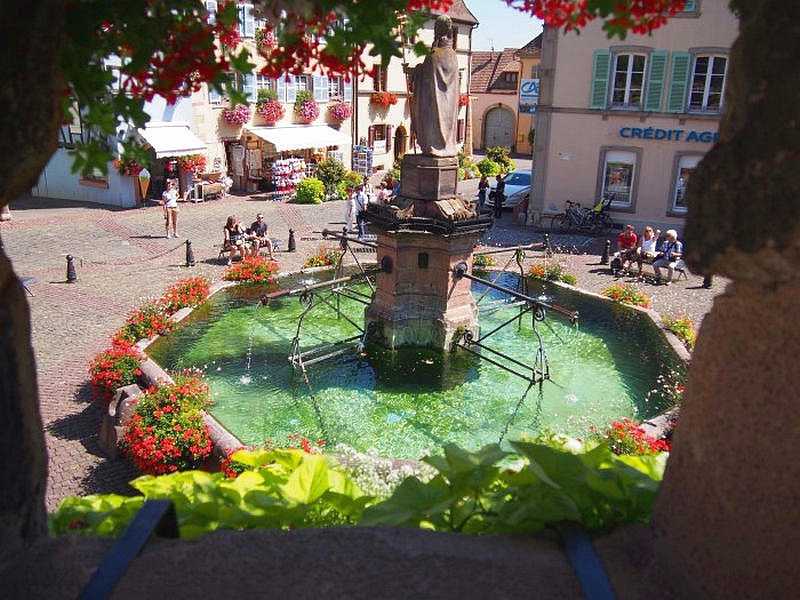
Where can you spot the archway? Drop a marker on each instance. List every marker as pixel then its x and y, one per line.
pixel 498 127
pixel 400 142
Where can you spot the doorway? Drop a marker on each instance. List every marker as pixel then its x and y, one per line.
pixel 400 142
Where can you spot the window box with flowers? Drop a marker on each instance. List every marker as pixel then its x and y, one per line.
pixel 383 99
pixel 128 167
pixel 463 99
pixel 268 107
pixel 340 111
pixel 236 115
pixel 266 40
pixel 305 107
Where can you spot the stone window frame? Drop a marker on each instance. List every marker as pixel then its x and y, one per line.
pixel 638 151
pixel 708 51
pixel 615 51
pixel 672 210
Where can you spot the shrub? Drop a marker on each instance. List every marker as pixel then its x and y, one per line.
pixel 627 294
pixel 467 169
pixel 683 327
pixel 501 155
pixel 252 269
pixel 146 321
pixel 351 179
pixel 552 272
pixel 483 261
pixel 323 257
pixel 488 167
pixel 628 438
pixel 310 191
pixel 114 368
pixel 185 293
pixel 166 432
pixel 330 172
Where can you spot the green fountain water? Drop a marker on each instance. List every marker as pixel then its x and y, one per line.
pixel 407 403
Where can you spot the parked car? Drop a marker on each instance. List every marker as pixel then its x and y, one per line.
pixel 518 187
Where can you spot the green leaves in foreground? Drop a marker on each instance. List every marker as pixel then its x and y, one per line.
pixel 488 491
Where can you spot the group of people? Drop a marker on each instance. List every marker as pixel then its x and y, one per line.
pixel 632 249
pixel 360 196
pixel 245 242
pixel 498 195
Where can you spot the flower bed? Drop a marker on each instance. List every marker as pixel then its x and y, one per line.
pixel 683 328
pixel 324 257
pixel 626 437
pixel 340 111
pixel 627 294
pixel 113 368
pixel 552 272
pixel 236 115
pixel 252 269
pixel 167 432
pixel 146 321
pixel 185 293
pixel 383 99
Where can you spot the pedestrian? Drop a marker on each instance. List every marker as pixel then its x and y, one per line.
pixel 169 202
pixel 361 202
pixel 483 185
pixel 350 209
pixel 499 197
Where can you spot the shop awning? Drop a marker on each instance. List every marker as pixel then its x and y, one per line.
pixel 300 137
pixel 172 139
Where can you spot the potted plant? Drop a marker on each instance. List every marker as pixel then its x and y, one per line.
pixel 383 99
pixel 340 111
pixel 305 107
pixel 268 107
pixel 236 115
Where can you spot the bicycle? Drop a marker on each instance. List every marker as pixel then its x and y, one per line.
pixel 589 220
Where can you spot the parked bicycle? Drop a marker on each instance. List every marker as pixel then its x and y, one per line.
pixel 588 220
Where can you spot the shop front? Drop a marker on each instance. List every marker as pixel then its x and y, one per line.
pixel 176 154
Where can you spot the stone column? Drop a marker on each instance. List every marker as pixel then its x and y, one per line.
pixel 468 130
pixel 726 520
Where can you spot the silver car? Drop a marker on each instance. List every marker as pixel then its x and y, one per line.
pixel 518 187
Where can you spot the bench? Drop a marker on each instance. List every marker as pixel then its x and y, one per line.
pixel 225 251
pixel 680 267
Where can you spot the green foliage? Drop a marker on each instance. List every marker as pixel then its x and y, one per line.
pixel 266 95
pixel 281 489
pixel 532 137
pixel 683 327
pixel 310 191
pixel 330 172
pixel 501 156
pixel 488 167
pixel 467 168
pixel 302 96
pixel 627 294
pixel 482 261
pixel 351 180
pixel 552 272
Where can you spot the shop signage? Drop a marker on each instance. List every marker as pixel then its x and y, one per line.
pixel 669 135
pixel 528 95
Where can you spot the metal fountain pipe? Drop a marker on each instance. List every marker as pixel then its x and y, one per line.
pixel 536 246
pixel 328 233
pixel 462 270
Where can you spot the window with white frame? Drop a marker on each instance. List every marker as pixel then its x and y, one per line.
pixel 708 83
pixel 619 170
pixel 303 83
pixel 335 88
pixel 263 83
pixel 247 20
pixel 628 83
pixel 686 166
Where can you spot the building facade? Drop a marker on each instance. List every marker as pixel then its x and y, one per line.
pixel 629 120
pixel 386 129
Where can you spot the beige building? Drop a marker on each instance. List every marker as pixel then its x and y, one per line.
pixel 386 129
pixel 630 119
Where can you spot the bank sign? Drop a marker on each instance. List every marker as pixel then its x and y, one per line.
pixel 669 135
pixel 528 95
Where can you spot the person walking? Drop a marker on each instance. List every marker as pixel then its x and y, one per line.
pixel 483 185
pixel 361 201
pixel 169 202
pixel 499 197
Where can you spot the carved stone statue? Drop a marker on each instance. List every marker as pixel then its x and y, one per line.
pixel 435 87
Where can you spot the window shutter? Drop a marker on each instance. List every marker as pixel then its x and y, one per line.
pixel 370 136
pixel 249 21
pixel 348 91
pixel 690 6
pixel 655 82
pixel 280 88
pixel 291 89
pixel 679 82
pixel 324 91
pixel 249 86
pixel 388 138
pixel 241 17
pixel 211 9
pixel 601 63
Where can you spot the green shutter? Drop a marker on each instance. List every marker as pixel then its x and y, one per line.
pixel 601 64
pixel 679 82
pixel 655 82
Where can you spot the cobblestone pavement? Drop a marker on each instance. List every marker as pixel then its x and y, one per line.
pixel 123 256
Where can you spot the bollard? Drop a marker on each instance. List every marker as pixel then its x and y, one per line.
pixel 189 254
pixel 292 245
pixel 707 281
pixel 547 247
pixel 72 277
pixel 606 252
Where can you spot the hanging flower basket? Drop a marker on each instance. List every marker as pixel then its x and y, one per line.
pixel 236 115
pixel 463 99
pixel 266 40
pixel 383 99
pixel 128 167
pixel 271 111
pixel 196 163
pixel 340 111
pixel 305 107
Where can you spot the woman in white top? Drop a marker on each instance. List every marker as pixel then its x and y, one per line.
pixel 169 200
pixel 647 251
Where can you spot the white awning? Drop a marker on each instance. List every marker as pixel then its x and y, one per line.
pixel 300 137
pixel 172 139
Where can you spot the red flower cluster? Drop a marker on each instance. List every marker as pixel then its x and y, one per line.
pixel 186 292
pixel 303 443
pixel 252 269
pixel 266 40
pixel 236 115
pixel 230 468
pixel 324 257
pixel 463 99
pixel 113 368
pixel 128 168
pixel 196 163
pixel 383 99
pixel 627 294
pixel 340 111
pixel 167 432
pixel 146 321
pixel 271 111
pixel 627 437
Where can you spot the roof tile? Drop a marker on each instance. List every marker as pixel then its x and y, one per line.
pixel 487 67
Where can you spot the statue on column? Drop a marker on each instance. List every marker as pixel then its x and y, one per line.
pixel 435 87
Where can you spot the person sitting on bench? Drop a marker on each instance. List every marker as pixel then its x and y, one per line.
pixel 235 241
pixel 647 251
pixel 671 252
pixel 258 235
pixel 626 245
